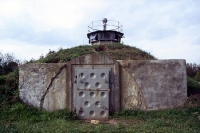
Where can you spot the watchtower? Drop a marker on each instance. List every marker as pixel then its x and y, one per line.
pixel 112 32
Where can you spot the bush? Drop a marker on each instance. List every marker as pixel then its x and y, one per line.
pixel 9 88
pixel 2 80
pixel 197 76
pixel 7 63
pixel 193 85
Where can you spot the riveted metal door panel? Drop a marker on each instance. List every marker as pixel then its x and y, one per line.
pixel 92 94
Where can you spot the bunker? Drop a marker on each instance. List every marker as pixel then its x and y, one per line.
pixel 95 85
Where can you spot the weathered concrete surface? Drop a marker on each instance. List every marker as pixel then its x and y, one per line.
pixel 145 85
pixel 39 82
pixel 55 98
pixel 163 82
pixel 131 95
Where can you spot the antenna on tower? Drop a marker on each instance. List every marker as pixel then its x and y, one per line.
pixel 104 23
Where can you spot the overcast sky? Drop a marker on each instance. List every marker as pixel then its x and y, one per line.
pixel 168 29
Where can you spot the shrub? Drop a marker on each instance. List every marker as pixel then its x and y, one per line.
pixel 193 85
pixel 197 76
pixel 9 88
pixel 7 63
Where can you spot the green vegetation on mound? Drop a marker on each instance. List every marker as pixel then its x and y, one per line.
pixel 117 51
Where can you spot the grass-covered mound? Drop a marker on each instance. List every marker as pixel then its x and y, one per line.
pixel 117 51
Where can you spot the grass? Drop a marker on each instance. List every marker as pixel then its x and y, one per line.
pixel 117 51
pixel 25 119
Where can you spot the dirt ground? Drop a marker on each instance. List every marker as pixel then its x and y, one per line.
pixel 115 122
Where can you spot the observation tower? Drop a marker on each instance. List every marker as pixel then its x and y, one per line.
pixel 111 32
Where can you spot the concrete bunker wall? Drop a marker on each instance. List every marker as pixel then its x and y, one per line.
pixel 145 85
pixel 43 85
pixel 163 82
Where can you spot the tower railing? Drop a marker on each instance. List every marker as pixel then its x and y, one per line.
pixel 111 25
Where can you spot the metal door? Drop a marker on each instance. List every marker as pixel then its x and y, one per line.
pixel 92 93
